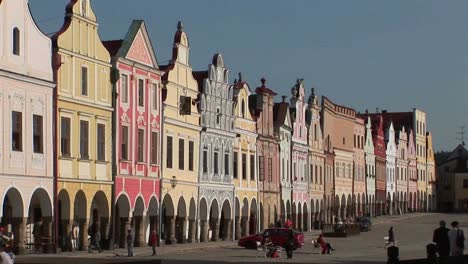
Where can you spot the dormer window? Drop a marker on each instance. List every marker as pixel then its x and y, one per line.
pixel 16 41
pixel 84 7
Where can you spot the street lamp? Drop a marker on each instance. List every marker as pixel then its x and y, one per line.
pixel 173 182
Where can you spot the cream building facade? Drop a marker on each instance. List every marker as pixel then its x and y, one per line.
pixel 245 165
pixel 181 137
pixel 26 122
pixel 82 71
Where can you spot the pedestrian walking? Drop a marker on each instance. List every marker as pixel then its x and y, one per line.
pixel 97 237
pixel 456 239
pixel 441 239
pixel 130 243
pixel 74 236
pixel 290 244
pixel 153 241
pixel 391 237
pixel 326 247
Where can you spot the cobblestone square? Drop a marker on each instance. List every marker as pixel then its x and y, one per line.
pixel 413 232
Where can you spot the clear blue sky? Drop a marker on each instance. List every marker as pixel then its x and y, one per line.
pixel 394 55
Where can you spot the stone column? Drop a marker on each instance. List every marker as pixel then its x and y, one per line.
pixel 183 232
pixel 238 228
pixel 244 226
pixel 192 225
pixel 170 237
pixel 203 231
pixel 215 230
pixel 140 240
pixel 84 224
pixel 19 230
pixel 227 229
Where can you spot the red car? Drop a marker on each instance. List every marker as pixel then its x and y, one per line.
pixel 277 235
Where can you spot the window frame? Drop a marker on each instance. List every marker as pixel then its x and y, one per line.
pixel 169 152
pixel 38 134
pixel 17 131
pixel 141 145
pixel 84 80
pixel 191 155
pixel 124 88
pixel 101 142
pixel 84 148
pixel 181 149
pixel 67 139
pixel 154 147
pixel 141 92
pixel 16 42
pixel 124 143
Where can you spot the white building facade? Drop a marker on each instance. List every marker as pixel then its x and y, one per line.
pixel 391 153
pixel 26 111
pixel 370 170
pixel 216 147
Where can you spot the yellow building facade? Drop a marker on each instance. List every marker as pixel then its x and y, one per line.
pixel 82 71
pixel 181 136
pixel 245 171
pixel 431 175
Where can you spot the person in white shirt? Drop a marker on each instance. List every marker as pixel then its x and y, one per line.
pixel 4 256
pixel 456 239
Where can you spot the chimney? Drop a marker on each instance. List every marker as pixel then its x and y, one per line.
pixel 284 98
pixel 384 111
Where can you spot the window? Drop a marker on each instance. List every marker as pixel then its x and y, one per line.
pixel 16 41
pixel 84 81
pixel 344 141
pixel 65 136
pixel 205 161
pixel 243 109
pixel 124 88
pixel 154 89
pixel 83 7
pixel 261 168
pixel 218 116
pixel 270 169
pixel 321 174
pixel 282 168
pixel 316 174
pixel 252 167
pixel 315 132
pixel 124 146
pixel 37 134
pixel 311 171
pixel 141 92
pixel 17 131
pixel 84 139
pixel 294 171
pixel 190 153
pixel 226 164
pixel 244 166
pixel 465 183
pixel 101 140
pixel 154 147
pixel 216 167
pixel 141 145
pixel 235 165
pixel 181 153
pixel 169 153
pixel 355 141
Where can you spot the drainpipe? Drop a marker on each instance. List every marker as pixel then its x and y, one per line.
pixel 55 160
pixel 114 78
pixel 163 107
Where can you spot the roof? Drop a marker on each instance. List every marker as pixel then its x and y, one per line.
pixel 113 46
pixel 200 76
pixel 280 113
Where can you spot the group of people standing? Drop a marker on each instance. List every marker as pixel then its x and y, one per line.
pixel 449 242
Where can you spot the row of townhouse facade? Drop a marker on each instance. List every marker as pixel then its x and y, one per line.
pixel 98 133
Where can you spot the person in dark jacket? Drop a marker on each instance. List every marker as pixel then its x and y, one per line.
pixel 130 243
pixel 441 239
pixel 290 244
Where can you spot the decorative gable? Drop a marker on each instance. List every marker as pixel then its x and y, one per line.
pixel 139 51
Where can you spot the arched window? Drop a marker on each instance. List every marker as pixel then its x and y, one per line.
pixel 243 109
pixel 16 41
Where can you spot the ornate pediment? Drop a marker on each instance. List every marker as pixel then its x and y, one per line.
pixel 139 51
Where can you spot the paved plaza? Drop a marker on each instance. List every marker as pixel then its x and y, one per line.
pixel 413 232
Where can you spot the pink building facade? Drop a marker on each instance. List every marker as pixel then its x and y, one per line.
pixel 299 162
pixel 137 134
